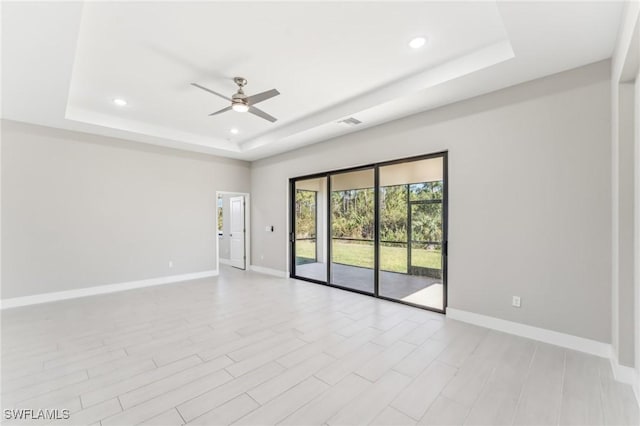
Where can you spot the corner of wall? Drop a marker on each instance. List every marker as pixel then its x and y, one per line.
pixel 624 69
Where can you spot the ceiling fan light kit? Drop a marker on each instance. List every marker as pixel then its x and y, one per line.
pixel 243 103
pixel 240 107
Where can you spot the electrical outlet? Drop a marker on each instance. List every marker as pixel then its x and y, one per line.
pixel 516 301
pixel 171 264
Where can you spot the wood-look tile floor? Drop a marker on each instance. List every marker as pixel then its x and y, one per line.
pixel 250 349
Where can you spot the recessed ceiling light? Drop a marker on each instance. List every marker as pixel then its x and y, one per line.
pixel 234 131
pixel 417 42
pixel 120 102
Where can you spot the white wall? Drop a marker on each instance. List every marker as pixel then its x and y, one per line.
pixel 637 239
pixel 625 215
pixel 80 210
pixel 625 189
pixel 530 178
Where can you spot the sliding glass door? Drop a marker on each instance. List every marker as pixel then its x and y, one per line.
pixel 379 230
pixel 352 230
pixel 309 248
pixel 411 232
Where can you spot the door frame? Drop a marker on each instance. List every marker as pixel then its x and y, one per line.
pixel 376 168
pixel 247 227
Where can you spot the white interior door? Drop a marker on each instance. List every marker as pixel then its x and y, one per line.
pixel 237 232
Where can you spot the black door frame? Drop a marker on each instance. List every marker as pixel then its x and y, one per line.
pixel 376 262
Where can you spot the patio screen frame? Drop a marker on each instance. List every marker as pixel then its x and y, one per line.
pixel 376 267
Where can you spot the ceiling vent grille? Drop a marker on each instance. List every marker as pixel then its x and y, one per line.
pixel 350 121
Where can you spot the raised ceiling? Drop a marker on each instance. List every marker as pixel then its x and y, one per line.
pixel 64 63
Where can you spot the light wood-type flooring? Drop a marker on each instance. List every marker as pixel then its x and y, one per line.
pixel 250 349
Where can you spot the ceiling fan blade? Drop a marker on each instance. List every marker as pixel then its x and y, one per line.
pixel 254 99
pixel 260 113
pixel 221 111
pixel 210 91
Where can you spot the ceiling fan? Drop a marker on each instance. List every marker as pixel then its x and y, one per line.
pixel 243 103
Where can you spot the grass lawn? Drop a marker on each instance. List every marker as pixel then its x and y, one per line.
pixel 393 259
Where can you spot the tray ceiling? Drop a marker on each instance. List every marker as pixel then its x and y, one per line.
pixel 65 63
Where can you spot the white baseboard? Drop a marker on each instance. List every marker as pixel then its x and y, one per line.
pixel 269 271
pixel 622 373
pixel 225 261
pixel 625 374
pixel 101 289
pixel 541 334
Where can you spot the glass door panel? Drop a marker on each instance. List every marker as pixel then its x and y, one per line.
pixel 310 222
pixel 411 232
pixel 426 238
pixel 393 228
pixel 352 230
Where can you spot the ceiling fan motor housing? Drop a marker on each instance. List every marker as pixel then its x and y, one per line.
pixel 239 99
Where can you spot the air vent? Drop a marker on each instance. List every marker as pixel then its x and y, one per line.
pixel 350 121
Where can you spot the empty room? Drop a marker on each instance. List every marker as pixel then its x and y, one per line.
pixel 320 213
